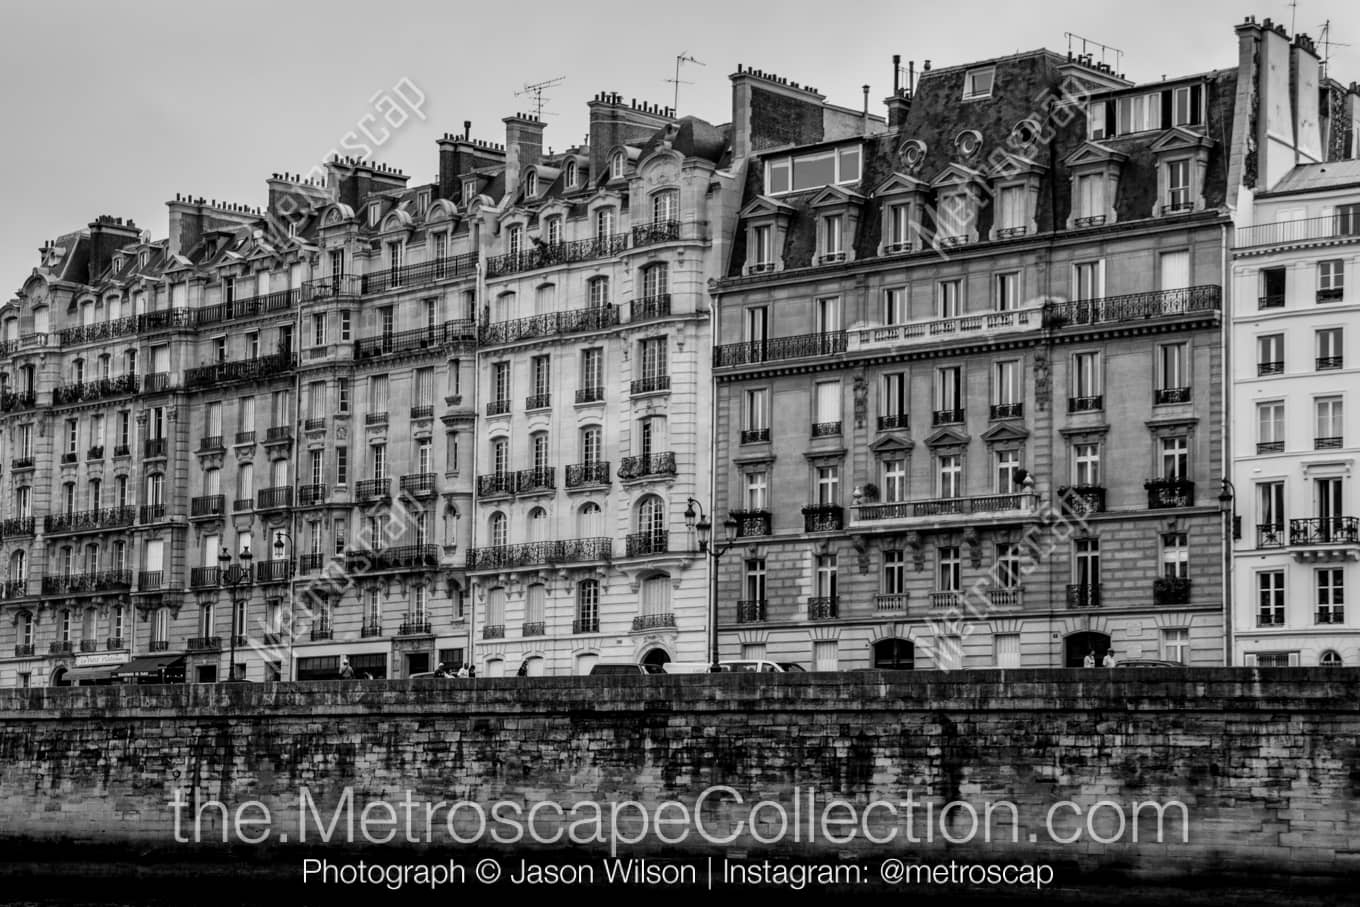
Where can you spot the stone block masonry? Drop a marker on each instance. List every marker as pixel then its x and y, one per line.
pixel 1264 761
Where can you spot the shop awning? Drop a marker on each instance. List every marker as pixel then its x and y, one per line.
pixel 94 672
pixel 145 665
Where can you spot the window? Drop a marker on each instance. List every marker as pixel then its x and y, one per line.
pixel 588 606
pixel 1175 459
pixel 569 178
pixel 531 183
pixel 1331 595
pixel 1086 564
pixel 1270 513
pixel 826 576
pixel 812 170
pixel 1270 354
pixel 1007 287
pixel 1329 432
pixel 1012 214
pixel 1330 659
pixel 1175 555
pixel 540 370
pixel 1173 380
pixel 949 475
pixel 948 394
pixel 1331 280
pixel 1187 105
pixel 947 299
pixel 1086 383
pixel 72 435
pixel 762 250
pixel 654 280
pixel 977 83
pixel 898 228
pixel 514 240
pixel 828 403
pixel 653 363
pixel 344 325
pixel 500 383
pixel 1006 388
pixel 1329 353
pixel 1088 208
pixel 377 454
pixel 319 329
pixel 824 655
pixel 756 415
pixel 338 533
pixel 1270 598
pixel 1178 185
pixel 1269 427
pixel 895 305
pixel 893 403
pixel 342 395
pixel 1007 470
pixel 830 234
pixel 894 572
pixel 616 164
pixel 828 485
pixel 604 223
pixel 1088 280
pixel 828 314
pixel 592 375
pixel 894 480
pixel 591 444
pixel 1008 572
pixel 665 206
pixel 500 456
pixel 757 489
pixel 1006 650
pixel 498 531
pixel 948 576
pixel 1176 644
pixel 540 450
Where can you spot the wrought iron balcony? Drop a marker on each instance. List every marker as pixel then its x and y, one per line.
pixel 419 484
pixel 493 631
pixel 95 453
pixel 245 437
pixel 823 518
pixel 204 643
pixel 1079 500
pixel 1270 535
pixel 947 417
pixel 113 643
pixel 240 505
pixel 653 621
pixel 156 383
pixel 375 418
pixel 240 370
pixel 89 645
pixel 804 346
pixel 1081 596
pixel 122 450
pixel 208 505
pixel 581 475
pixel 278 433
pixel 1007 410
pixel 586 625
pixel 655 232
pixel 541 478
pixel 373 489
pixel 589 395
pixel 1163 493
pixel 1266 447
pixel 755 435
pixel 98 581
pixel 659 464
pixel 642 544
pixel 752 522
pixel 497 407
pixel 550 255
pixel 370 629
pixel 497 483
pixel 104 330
pixel 23 650
pixel 421 340
pixel 61 647
pixel 205 576
pixel 649 307
pixel 533 628
pixel 313 424
pixel 148 580
pixel 990 503
pixel 1171 590
pixel 824 607
pixel 19 463
pixel 531 554
pixel 1172 395
pixel 1087 404
pixel 150 513
pixel 14 401
pixel 1272 301
pixel 538 401
pixel 891 601
pixel 750 611
pixel 650 385
pixel 1331 294
pixel 86 520
pixel 1332 226
pixel 423 411
pixel 419 275
pixel 1326 363
pixel 98 389
pixel 16 526
pixel 310 563
pixel 1329 443
pixel 69 457
pixel 275 498
pixel 248 307
pixel 154 448
pixel 1337 530
pixel 322 632
pixel 826 429
pixel 415 627
pixel 1275 367
pixel 1133 307
pixel 13 588
pixel 550 324
pixel 311 494
pixel 273 571
pixel 402 557
pixel 337 286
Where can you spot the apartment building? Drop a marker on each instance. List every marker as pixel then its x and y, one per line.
pixel 1293 456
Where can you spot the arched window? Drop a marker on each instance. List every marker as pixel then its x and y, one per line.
pixel 495 667
pixel 538 525
pixel 585 662
pixel 552 232
pixel 590 521
pixel 540 450
pixel 654 280
pixel 1330 659
pixel 895 655
pixel 650 534
pixel 505 307
pixel 498 529
pixel 570 177
pixel 531 183
pixel 26 629
pixel 616 164
pixel 665 206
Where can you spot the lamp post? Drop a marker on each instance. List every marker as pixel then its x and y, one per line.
pixel 279 549
pixel 1226 503
pixel 697 520
pixel 233 584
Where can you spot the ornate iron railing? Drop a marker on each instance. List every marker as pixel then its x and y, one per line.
pixel 649 307
pixel 751 611
pixel 417 275
pixel 550 324
pixel 1171 590
pixel 546 256
pixel 641 544
pixel 990 503
pixel 660 464
pixel 1133 307
pixel 1333 226
pixel 1083 595
pixel 94 390
pixel 653 621
pixel 1163 493
pixel 799 347
pixel 435 338
pixel 823 518
pixel 527 554
pixel 403 557
pixel 84 520
pixel 579 475
pixel 539 478
pixel 752 522
pixel 1337 530
pixel 240 370
pixel 98 581
pixel 824 607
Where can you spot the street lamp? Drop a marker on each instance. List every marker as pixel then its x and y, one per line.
pixel 1231 532
pixel 233 583
pixel 697 521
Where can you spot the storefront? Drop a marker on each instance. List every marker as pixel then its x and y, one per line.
pixel 163 668
pixel 95 669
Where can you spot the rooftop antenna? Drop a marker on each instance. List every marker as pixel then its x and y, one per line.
pixel 1327 44
pixel 535 89
pixel 1293 14
pixel 1088 43
pixel 682 57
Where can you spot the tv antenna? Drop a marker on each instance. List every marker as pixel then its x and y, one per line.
pixel 1088 43
pixel 535 90
pixel 682 57
pixel 1327 44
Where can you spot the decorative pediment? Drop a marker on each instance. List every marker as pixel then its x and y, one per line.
pixel 900 184
pixel 893 442
pixel 836 197
pixel 1005 431
pixel 1009 166
pixel 947 437
pixel 337 214
pixel 1176 139
pixel 955 175
pixel 1094 153
pixel 764 206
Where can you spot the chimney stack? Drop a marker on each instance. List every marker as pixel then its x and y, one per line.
pixel 523 148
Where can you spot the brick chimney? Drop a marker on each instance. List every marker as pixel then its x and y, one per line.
pixel 614 121
pixel 523 147
pixel 1307 126
pixel 108 235
pixel 460 155
pixel 801 111
pixel 293 196
pixel 899 105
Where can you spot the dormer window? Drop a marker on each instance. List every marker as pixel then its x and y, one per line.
pixel 570 177
pixel 897 224
pixel 616 165
pixel 531 184
pixel 423 203
pixel 766 221
pixel 1095 185
pixel 761 257
pixel 977 83
pixel 469 190
pixel 144 258
pixel 1177 186
pixel 830 238
pixel 1182 157
pixel 1012 215
pixel 292 229
pixel 373 214
pixel 1088 199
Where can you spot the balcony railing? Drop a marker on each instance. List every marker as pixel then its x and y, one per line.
pixel 89 645
pixel 497 483
pixel 659 464
pixel 823 518
pixel 85 520
pixel 655 232
pixel 493 631
pixel 274 571
pixel 539 478
pixel 750 611
pixel 277 433
pixel 1272 301
pixel 113 643
pixel 947 417
pixel 549 324
pixel 371 629
pixel 1325 363
pixel 1007 410
pixel 248 307
pixel 245 437
pixel 415 626
pixel 122 450
pixel 333 287
pixel 1270 535
pixel 945 599
pixel 204 643
pixel 240 505
pixel 240 370
pixel 311 494
pixel 991 503
pixel 310 563
pixel 205 576
pixel 1337 530
pixel 641 544
pixel 426 339
pixel 1133 307
pixel 823 607
pixel 581 475
pixel 649 307
pixel 23 650
pixel 61 647
pixel 1334 226
pixel 148 580
pixel 585 625
pixel 653 621
pixel 1172 395
pixel 17 526
pixel 154 447
pixel 1080 596
pixel 891 601
pixel 538 401
pixel 981 324
pixel 1087 404
pixel 312 425
pixel 1328 443
pixel 13 588
pixel 419 484
pixel 208 505
pixel 95 453
pixel 533 628
pixel 375 418
pixel 1163 493
pixel 1265 447
pixel 156 383
pixel 1269 368
pixel 497 407
pixel 22 463
pixel 94 390
pixel 99 581
pixel 752 522
pixel 755 435
pixel 546 256
pixel 150 513
pixel 403 557
pixel 321 632
pixel 826 429
pixel 104 330
pixel 654 384
pixel 530 554
pixel 373 489
pixel 13 401
pixel 160 645
pixel 803 346
pixel 418 275
pixel 1171 590
pixel 275 498
pixel 1080 500
pixel 589 394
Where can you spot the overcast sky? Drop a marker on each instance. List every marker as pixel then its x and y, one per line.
pixel 113 107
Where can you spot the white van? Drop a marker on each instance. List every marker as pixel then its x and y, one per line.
pixel 685 667
pixel 755 666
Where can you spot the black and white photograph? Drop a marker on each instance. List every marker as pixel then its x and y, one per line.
pixel 613 452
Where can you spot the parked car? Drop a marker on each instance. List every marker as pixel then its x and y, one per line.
pixel 791 667
pixel 755 666
pixel 1147 663
pixel 617 669
pixel 685 667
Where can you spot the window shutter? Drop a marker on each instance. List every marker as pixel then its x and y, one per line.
pixel 1167 109
pixel 1110 122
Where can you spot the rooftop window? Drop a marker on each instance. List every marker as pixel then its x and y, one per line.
pixel 977 83
pixel 799 172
